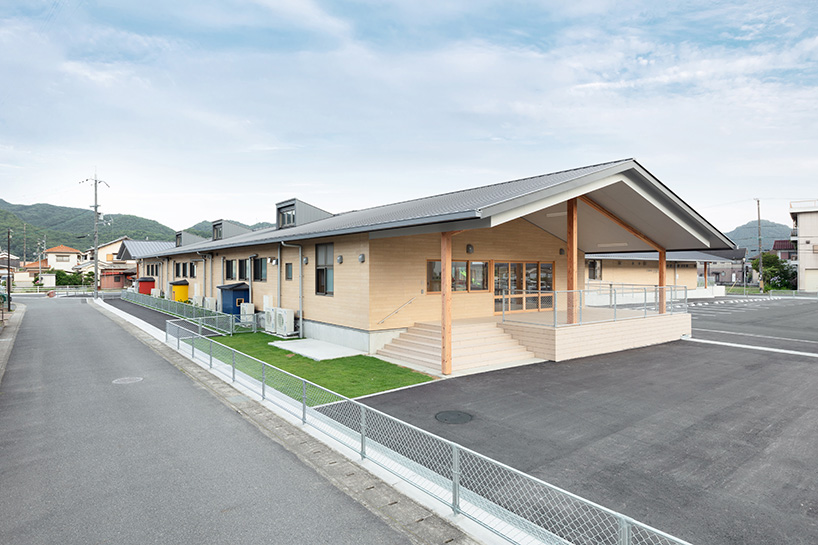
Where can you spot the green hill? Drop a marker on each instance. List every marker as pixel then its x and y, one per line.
pixel 73 227
pixel 746 236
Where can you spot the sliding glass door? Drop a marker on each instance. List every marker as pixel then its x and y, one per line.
pixel 524 284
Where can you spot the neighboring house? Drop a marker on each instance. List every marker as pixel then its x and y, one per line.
pixel 513 249
pixel 805 235
pixel 786 250
pixel 62 258
pixel 113 272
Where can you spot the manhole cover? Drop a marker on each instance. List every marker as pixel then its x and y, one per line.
pixel 127 380
pixel 453 417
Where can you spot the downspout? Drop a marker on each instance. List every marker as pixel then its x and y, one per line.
pixel 204 268
pixel 167 276
pixel 278 282
pixel 300 287
pixel 221 307
pixel 250 276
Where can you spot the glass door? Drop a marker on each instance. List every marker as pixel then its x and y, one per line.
pixel 522 282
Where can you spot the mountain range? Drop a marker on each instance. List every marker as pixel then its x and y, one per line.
pixel 34 224
pixel 37 223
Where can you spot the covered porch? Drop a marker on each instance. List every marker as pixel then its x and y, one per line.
pixel 621 208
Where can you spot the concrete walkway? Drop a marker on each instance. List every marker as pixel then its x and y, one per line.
pixel 101 441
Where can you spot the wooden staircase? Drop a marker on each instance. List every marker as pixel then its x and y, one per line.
pixel 473 345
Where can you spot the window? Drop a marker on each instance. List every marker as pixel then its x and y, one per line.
pixel 230 269
pixel 466 276
pixel 288 271
pixel 117 278
pixel 177 269
pixel 192 270
pixel 323 269
pixel 184 269
pixel 286 217
pixel 178 239
pixel 260 269
pixel 62 259
pixel 521 286
pixel 243 269
pixel 217 231
pixel 594 270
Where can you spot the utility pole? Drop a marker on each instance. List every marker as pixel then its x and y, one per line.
pixel 760 251
pixel 24 244
pixel 8 268
pixel 96 230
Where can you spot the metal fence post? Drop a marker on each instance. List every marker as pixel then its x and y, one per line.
pixel 211 353
pixel 200 327
pixel 234 364
pixel 193 346
pixel 614 304
pixel 363 432
pixel 178 339
pixel 455 479
pixel 580 306
pixel 645 295
pixel 304 401
pixel 624 532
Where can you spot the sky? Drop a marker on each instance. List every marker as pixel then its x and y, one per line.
pixel 205 110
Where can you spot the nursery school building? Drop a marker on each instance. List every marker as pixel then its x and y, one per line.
pixel 484 276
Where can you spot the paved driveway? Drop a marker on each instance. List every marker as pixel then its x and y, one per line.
pixel 84 459
pixel 714 444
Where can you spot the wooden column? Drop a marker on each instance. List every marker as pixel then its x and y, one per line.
pixel 662 280
pixel 705 275
pixel 572 255
pixel 446 296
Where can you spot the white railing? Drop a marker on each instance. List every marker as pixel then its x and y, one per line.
pixel 605 303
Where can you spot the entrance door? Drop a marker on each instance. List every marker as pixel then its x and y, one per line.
pixel 523 283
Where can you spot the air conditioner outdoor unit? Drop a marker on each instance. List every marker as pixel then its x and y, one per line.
pixel 197 300
pixel 248 313
pixel 285 322
pixel 210 303
pixel 156 292
pixel 270 319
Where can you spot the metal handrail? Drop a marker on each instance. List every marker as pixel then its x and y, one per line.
pixel 398 309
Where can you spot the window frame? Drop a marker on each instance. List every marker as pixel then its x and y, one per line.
pixel 259 269
pixel 468 288
pixel 288 271
pixel 325 269
pixel 229 269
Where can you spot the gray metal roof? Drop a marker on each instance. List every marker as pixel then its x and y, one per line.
pixel 136 249
pixel 474 205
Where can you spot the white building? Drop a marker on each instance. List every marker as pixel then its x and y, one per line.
pixel 62 258
pixel 805 235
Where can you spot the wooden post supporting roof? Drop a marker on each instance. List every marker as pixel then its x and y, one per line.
pixel 446 296
pixel 572 255
pixel 662 280
pixel 705 275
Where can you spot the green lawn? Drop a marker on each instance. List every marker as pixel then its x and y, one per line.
pixel 351 376
pixel 740 290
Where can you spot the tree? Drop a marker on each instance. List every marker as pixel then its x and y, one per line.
pixel 778 274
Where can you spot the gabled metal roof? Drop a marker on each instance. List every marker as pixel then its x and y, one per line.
pixel 633 195
pixel 136 249
pixel 654 256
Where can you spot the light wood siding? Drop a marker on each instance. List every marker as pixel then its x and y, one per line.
pixel 398 270
pixel 634 271
pixel 348 306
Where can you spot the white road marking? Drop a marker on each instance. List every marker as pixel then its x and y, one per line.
pixel 750 347
pixel 759 336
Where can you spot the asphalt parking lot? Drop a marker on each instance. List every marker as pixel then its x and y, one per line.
pixel 713 443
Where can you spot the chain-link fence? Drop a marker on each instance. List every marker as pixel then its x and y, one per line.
pixel 520 508
pixel 600 303
pixel 228 324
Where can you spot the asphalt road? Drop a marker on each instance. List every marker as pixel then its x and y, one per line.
pixel 160 460
pixel 714 444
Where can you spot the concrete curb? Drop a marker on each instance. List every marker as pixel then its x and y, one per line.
pixel 420 524
pixel 8 334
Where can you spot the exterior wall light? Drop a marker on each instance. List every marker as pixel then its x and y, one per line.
pixel 562 251
pixel 469 249
pixel 306 260
pixel 273 260
pixel 339 259
pixel 361 258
